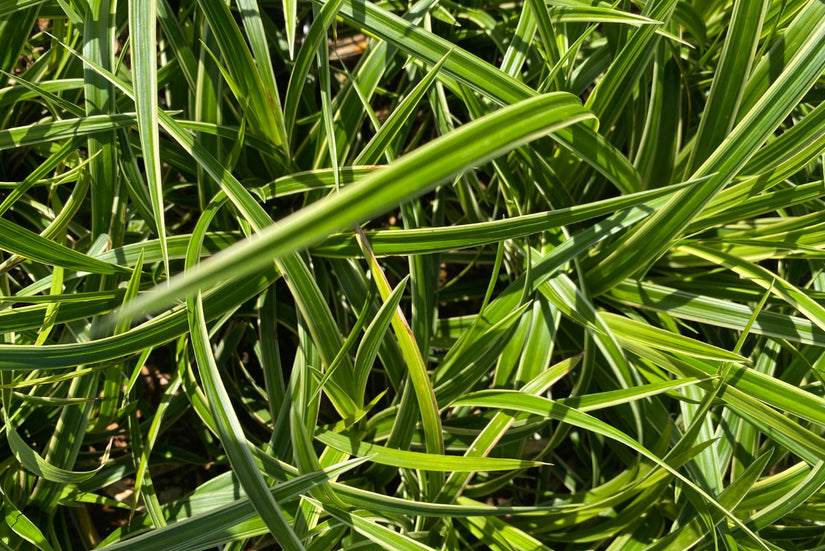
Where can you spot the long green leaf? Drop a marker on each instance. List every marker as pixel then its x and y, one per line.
pixel 416 460
pixel 411 175
pixel 725 92
pixel 18 240
pixel 143 29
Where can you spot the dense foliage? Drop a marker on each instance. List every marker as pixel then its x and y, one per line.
pixel 438 275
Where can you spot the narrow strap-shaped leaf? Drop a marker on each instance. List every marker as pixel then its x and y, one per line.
pixel 232 435
pixel 410 176
pixel 113 384
pixel 35 464
pixel 612 91
pixel 442 239
pixel 416 367
pixel 23 526
pixel 658 150
pixel 407 507
pixel 18 5
pixel 304 453
pixel 290 23
pixel 253 24
pixel 13 94
pixel 345 350
pixel 321 178
pixel 374 334
pixel 143 29
pixel 144 486
pixel 372 152
pixel 138 191
pixel 417 460
pixel 726 91
pixel 241 65
pixel 47 95
pixel 99 95
pixel 710 310
pixel 51 308
pixel 173 32
pixel 763 277
pixel 21 136
pixel 785 47
pixel 594 402
pixel 516 53
pixel 732 207
pixel 665 340
pixel 544 25
pixel 791 500
pixel 18 240
pixel 312 41
pixel 792 150
pixel 227 423
pixel 580 12
pixel 748 392
pixel 31 317
pixel 325 90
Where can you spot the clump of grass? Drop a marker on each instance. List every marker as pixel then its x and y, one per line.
pixel 437 275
